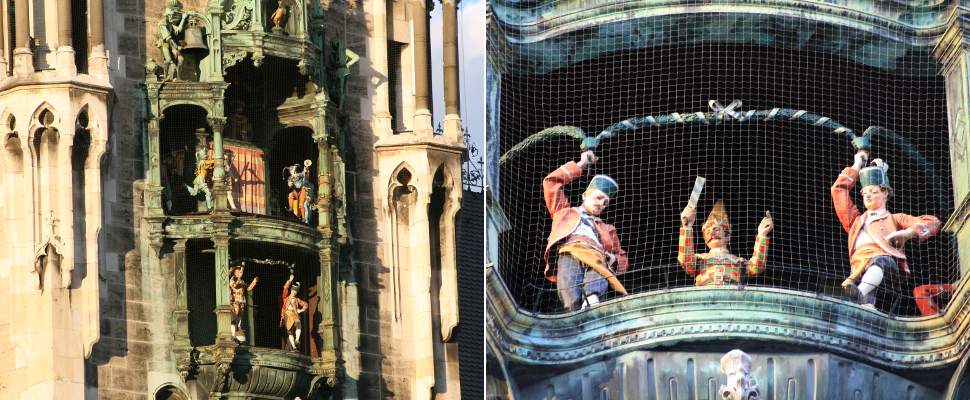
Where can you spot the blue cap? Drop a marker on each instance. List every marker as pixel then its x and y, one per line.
pixel 604 184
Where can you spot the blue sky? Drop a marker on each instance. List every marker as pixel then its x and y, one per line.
pixel 471 67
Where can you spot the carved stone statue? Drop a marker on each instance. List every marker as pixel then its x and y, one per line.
pixel 718 266
pixel 341 59
pixel 736 364
pixel 170 27
pixel 48 259
pixel 237 299
pixel 290 313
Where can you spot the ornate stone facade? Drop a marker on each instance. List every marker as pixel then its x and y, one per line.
pixel 114 276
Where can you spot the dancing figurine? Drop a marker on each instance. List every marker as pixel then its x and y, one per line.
pixel 290 312
pixel 876 237
pixel 718 266
pixel 301 191
pixel 278 16
pixel 204 166
pixel 587 247
pixel 237 292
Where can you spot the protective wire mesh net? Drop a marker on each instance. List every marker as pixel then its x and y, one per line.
pixel 781 151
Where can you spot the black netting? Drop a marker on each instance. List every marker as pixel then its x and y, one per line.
pixel 774 163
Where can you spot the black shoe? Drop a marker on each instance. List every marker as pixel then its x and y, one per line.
pixel 852 291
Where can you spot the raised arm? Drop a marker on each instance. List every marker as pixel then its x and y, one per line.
pixel 756 264
pixel 553 183
pixel 685 249
pixel 286 286
pixel 841 199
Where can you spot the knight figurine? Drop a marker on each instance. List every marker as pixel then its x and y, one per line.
pixel 170 27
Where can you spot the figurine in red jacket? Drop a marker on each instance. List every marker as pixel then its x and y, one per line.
pixel 876 237
pixel 588 249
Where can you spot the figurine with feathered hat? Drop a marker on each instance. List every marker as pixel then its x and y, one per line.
pixel 876 237
pixel 587 249
pixel 290 312
pixel 718 266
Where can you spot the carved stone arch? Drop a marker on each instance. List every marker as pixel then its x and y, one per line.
pixel 86 119
pixel 12 140
pixel 43 116
pixel 402 176
pixel 170 391
pixel 84 135
pixel 301 124
pixel 205 107
pixel 7 121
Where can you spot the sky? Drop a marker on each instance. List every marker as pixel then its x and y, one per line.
pixel 471 67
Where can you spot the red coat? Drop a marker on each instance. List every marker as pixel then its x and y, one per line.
pixel 300 304
pixel 565 219
pixel 852 220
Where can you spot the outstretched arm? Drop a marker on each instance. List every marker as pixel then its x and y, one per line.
pixel 286 286
pixel 841 199
pixel 922 227
pixel 553 183
pixel 756 264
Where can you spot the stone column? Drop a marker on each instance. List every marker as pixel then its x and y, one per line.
pixel 223 311
pixel 3 40
pixel 220 191
pixel 23 58
pixel 422 108
pixel 153 187
pixel 181 313
pixel 378 55
pixel 65 49
pixel 327 328
pixel 449 12
pixel 63 200
pixel 97 58
pixel 419 297
pixel 953 51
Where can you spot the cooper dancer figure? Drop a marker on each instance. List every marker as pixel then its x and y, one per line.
pixel 587 247
pixel 876 237
pixel 237 290
pixel 290 312
pixel 718 266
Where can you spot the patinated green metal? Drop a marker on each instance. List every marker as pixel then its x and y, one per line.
pixel 558 33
